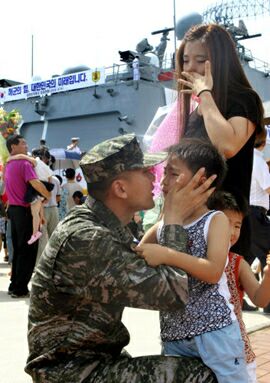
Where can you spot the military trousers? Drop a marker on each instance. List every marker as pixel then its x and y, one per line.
pixel 153 369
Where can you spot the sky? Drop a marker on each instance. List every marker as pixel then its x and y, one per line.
pixel 87 32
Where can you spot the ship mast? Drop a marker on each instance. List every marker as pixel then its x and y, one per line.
pixel 32 56
pixel 174 25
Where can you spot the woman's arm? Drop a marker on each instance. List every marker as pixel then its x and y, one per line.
pixel 229 136
pixel 258 293
pixel 208 269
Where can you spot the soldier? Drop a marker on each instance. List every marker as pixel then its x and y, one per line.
pixel 136 71
pixel 88 273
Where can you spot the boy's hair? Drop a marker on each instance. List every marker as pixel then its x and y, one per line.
pixel 13 140
pixel 222 200
pixel 70 173
pixel 197 153
pixel 77 194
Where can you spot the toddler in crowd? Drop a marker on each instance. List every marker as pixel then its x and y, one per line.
pixel 207 327
pixel 239 274
pixel 44 174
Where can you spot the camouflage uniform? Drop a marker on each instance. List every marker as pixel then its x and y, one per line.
pixel 86 276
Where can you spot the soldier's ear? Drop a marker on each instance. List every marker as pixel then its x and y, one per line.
pixel 119 189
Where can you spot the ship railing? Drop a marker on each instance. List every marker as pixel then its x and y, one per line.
pixel 116 72
pixel 246 56
pixel 168 63
pixel 113 72
pixel 120 72
pixel 260 65
pixel 123 72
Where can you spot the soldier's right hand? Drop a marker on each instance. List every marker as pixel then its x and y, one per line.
pixel 182 200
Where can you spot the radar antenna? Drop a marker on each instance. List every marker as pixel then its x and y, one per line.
pixel 225 12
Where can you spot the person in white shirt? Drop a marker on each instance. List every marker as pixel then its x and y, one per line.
pixel 71 186
pixel 51 215
pixel 73 146
pixel 136 71
pixel 259 204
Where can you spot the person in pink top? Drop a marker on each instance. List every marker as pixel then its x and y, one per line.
pixel 18 174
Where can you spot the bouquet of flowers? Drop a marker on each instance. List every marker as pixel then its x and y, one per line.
pixel 9 122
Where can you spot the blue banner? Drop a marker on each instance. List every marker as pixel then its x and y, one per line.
pixel 54 85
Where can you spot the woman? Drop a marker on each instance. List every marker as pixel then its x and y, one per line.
pixel 229 113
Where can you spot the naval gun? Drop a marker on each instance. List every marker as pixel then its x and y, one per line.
pixel 149 62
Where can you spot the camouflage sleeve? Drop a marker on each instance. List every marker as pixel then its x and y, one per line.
pixel 108 271
pixel 174 236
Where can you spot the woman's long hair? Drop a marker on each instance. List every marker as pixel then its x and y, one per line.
pixel 228 74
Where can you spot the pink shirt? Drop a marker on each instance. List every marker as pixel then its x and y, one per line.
pixel 17 175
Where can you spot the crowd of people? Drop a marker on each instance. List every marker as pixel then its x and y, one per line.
pixel 29 180
pixel 193 261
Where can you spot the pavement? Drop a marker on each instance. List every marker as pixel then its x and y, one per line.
pixel 142 324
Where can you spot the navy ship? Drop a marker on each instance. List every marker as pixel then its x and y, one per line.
pixel 100 103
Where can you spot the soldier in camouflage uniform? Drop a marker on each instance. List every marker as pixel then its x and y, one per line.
pixel 88 273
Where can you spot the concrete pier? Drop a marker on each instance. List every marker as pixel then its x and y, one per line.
pixel 142 324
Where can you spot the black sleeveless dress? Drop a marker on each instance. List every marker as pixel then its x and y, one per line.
pixel 238 177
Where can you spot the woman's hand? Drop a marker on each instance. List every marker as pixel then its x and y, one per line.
pixel 195 83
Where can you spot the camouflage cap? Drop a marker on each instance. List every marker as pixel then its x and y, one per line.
pixel 117 155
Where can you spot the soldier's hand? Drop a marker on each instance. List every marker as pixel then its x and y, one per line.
pixel 181 201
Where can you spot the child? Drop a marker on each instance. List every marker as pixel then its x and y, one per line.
pixel 239 274
pixel 44 174
pixel 78 197
pixel 207 327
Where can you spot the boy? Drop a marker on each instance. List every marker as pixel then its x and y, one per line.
pixel 239 274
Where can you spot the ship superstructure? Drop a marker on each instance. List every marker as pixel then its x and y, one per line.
pixel 99 103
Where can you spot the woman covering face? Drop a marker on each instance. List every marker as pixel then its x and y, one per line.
pixel 229 112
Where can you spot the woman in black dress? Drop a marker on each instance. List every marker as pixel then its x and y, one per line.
pixel 229 112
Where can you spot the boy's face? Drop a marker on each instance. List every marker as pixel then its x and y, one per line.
pixel 235 219
pixel 172 171
pixel 77 201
